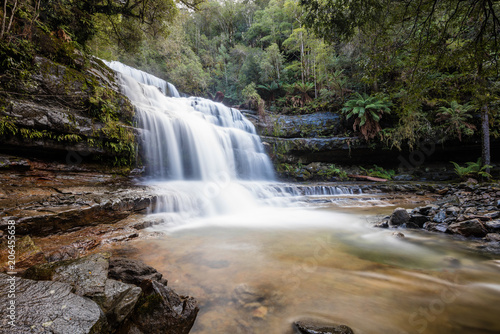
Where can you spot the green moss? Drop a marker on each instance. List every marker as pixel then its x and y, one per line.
pixel 148 304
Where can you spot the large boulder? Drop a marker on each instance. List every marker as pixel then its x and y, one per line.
pixel 118 301
pixel 161 311
pixel 48 307
pixel 469 228
pixel 399 217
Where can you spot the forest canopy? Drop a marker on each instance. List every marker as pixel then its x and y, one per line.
pixel 432 63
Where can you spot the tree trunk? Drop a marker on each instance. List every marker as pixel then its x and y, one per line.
pixel 486 154
pixel 4 18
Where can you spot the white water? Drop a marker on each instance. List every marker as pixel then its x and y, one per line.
pixel 204 158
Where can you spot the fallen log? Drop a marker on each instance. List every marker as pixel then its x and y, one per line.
pixel 367 178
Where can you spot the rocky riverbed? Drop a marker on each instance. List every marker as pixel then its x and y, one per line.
pixel 467 211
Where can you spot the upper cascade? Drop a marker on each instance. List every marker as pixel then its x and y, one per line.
pixel 192 138
pixel 148 79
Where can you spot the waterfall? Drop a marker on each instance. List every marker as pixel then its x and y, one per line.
pixel 192 138
pixel 203 158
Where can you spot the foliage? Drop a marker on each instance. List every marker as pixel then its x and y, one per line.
pixel 368 111
pixel 456 119
pixel 380 172
pixel 333 172
pixel 472 169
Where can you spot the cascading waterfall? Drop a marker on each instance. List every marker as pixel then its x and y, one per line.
pixel 203 157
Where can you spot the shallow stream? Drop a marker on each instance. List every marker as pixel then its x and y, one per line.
pixel 260 269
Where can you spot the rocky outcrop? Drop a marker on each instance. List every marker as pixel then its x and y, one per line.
pixel 47 307
pixel 467 210
pixel 48 211
pixel 85 296
pixel 58 111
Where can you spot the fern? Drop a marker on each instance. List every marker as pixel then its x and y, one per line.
pixel 368 111
pixel 472 169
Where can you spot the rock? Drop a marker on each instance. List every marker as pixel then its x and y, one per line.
pixel 493 237
pixel 302 327
pixel 493 226
pixel 133 271
pixel 252 297
pixel 63 253
pixel 418 219
pixel 469 228
pixel 382 224
pixel 425 210
pixel 402 177
pixel 439 217
pixel 442 191
pixel 443 228
pixel 453 210
pixel 27 253
pixel 161 311
pixel 399 216
pixel 49 307
pixel 452 262
pixel 260 312
pixel 493 215
pixel 398 235
pixel 470 210
pixel 86 275
pixel 118 301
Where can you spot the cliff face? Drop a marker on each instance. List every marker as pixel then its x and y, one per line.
pixel 68 114
pixel 318 147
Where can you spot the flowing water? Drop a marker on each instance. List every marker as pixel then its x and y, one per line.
pixel 259 255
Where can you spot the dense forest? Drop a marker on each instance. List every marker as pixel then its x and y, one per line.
pixel 399 71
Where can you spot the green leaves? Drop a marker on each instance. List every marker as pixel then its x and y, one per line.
pixel 472 169
pixel 368 111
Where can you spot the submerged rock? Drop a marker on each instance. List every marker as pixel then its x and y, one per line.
pixel 302 327
pixel 48 307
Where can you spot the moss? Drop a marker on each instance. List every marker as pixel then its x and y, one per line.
pixel 148 304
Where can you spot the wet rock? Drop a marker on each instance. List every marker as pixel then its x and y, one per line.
pixel 469 228
pixel 49 307
pixel 118 301
pixel 382 224
pixel 27 253
pixel 398 235
pixel 403 177
pixel 302 327
pixel 425 210
pixel 133 271
pixel 399 216
pixel 253 297
pixel 86 275
pixel 161 311
pixel 493 215
pixel 453 210
pixel 418 219
pixel 493 237
pixel 470 210
pixel 493 225
pixel 439 217
pixel 64 253
pixel 434 227
pixel 452 262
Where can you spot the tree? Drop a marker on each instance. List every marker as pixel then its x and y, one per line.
pixel 447 36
